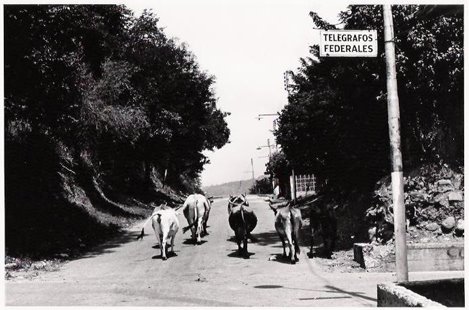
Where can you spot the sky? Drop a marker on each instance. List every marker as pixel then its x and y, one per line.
pixel 247 46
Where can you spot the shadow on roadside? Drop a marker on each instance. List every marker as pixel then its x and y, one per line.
pixel 109 246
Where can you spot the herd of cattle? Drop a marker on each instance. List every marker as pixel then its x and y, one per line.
pixel 242 220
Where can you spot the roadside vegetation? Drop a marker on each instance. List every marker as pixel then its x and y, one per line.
pixel 104 115
pixel 228 188
pixel 263 185
pixel 335 124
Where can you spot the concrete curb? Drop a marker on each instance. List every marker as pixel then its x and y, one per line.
pixel 393 295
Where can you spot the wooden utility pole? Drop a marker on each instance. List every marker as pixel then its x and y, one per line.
pixel 293 185
pixel 270 152
pixel 270 159
pixel 252 170
pixel 395 141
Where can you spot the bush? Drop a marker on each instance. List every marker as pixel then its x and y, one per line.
pixel 261 186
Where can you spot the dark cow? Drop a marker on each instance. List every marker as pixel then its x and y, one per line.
pixel 288 223
pixel 323 221
pixel 242 220
pixel 236 200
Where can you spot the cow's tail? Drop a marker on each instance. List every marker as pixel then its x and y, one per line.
pixel 143 227
pixel 295 231
pixel 245 228
pixel 194 222
pixel 184 229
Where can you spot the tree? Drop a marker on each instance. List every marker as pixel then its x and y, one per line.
pixel 261 186
pixel 335 122
pixel 279 168
pixel 101 102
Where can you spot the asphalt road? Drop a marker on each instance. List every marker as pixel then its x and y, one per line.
pixel 126 272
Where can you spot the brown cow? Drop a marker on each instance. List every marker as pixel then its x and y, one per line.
pixel 288 223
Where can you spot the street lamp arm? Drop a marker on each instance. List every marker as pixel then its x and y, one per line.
pixel 259 116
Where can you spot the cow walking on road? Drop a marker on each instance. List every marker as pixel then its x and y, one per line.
pixel 165 224
pixel 196 209
pixel 288 223
pixel 323 222
pixel 242 220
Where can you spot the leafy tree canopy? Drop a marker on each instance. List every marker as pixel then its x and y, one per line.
pixel 335 124
pixel 103 81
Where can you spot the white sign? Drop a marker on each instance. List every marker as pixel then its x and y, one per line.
pixel 348 43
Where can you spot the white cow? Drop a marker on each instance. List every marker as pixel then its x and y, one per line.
pixel 196 209
pixel 165 224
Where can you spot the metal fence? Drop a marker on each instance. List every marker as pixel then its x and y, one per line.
pixel 305 184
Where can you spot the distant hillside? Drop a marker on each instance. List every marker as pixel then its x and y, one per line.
pixel 230 188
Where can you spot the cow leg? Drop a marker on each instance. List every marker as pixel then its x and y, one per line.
pixel 163 250
pixel 290 245
pixel 205 220
pixel 245 247
pixel 199 230
pixel 329 235
pixel 327 247
pixel 312 242
pixel 297 248
pixel 332 243
pixel 293 257
pixel 283 246
pixel 205 228
pixel 292 253
pixel 238 241
pixel 158 239
pixel 193 232
pixel 163 245
pixel 172 243
pixel 157 234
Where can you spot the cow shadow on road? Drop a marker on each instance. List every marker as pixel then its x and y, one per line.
pixel 236 254
pixel 270 238
pixel 168 255
pixel 279 258
pixel 190 241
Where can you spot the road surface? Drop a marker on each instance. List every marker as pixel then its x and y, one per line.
pixel 126 272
